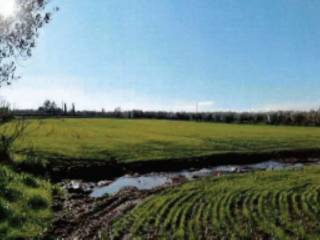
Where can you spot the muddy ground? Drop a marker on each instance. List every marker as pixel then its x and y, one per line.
pixel 78 216
pixel 81 217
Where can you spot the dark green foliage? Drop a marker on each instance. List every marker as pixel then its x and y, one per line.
pixel 37 202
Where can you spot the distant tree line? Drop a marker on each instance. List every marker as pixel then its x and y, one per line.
pixel 297 118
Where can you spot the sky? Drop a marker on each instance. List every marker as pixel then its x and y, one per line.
pixel 240 55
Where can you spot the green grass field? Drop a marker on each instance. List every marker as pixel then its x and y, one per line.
pixel 131 140
pixel 261 205
pixel 24 205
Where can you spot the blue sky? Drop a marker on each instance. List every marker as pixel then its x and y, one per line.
pixel 171 54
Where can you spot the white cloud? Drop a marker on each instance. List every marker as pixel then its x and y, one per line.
pixel 206 103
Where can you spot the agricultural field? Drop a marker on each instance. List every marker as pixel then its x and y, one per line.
pixel 260 205
pixel 25 205
pixel 139 140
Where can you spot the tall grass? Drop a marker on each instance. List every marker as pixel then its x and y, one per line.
pixel 24 205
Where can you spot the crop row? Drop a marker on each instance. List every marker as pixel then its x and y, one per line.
pixel 264 205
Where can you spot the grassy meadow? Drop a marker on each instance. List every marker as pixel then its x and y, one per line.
pixel 25 205
pixel 132 140
pixel 260 205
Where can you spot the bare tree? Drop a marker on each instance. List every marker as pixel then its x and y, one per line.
pixel 18 35
pixel 10 132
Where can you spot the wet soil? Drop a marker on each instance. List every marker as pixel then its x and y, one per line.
pixel 81 217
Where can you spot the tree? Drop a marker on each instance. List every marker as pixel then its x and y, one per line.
pixel 18 35
pixel 65 108
pixel 73 109
pixel 50 107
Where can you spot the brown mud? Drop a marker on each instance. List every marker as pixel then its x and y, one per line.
pixel 77 216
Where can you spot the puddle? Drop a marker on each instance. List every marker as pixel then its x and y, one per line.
pixel 270 165
pixel 142 183
pixel 149 181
